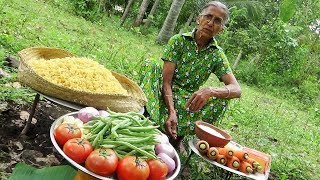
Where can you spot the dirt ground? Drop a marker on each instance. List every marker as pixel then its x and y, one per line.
pixel 34 148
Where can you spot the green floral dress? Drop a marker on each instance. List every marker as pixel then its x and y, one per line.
pixel 192 69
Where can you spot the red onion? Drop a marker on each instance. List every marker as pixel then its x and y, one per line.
pixel 169 162
pixel 162 138
pixel 88 113
pixel 165 148
pixel 103 113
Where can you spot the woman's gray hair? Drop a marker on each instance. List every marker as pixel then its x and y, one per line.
pixel 219 5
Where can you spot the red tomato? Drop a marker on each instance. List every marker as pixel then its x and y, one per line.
pixel 64 132
pixel 132 168
pixel 102 161
pixel 77 149
pixel 158 169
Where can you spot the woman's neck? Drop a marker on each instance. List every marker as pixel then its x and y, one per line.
pixel 201 41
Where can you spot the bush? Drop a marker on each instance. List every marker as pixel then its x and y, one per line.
pixel 274 55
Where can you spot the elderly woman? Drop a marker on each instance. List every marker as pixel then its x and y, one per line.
pixel 175 99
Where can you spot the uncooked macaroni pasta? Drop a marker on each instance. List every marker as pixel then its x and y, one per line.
pixel 81 74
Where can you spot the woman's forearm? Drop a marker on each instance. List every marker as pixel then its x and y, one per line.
pixel 168 98
pixel 226 92
pixel 168 71
pixel 230 90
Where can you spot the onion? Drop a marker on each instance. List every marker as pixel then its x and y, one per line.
pixel 88 113
pixel 162 138
pixel 103 113
pixel 169 162
pixel 166 149
pixel 165 138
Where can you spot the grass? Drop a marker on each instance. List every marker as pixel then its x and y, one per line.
pixel 277 127
pixel 36 23
pixel 259 119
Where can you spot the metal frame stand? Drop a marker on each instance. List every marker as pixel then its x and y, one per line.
pixel 60 102
pixel 66 104
pixel 33 109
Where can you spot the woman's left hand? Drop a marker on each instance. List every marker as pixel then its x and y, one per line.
pixel 198 99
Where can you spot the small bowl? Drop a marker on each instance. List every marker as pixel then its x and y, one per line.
pixel 213 135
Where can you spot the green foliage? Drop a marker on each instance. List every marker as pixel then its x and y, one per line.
pixel 39 24
pixel 276 127
pixel 273 55
pixel 17 95
pixel 161 14
pixel 255 9
pixel 89 9
pixel 287 9
pixel 282 59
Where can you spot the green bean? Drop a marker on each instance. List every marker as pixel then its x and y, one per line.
pixel 145 153
pixel 125 125
pixel 132 152
pixel 95 140
pixel 88 127
pixel 127 133
pixel 127 117
pixel 119 155
pixel 130 133
pixel 147 148
pixel 92 122
pixel 121 152
pixel 124 148
pixel 91 137
pixel 106 120
pixel 98 128
pixel 108 146
pixel 113 130
pixel 100 135
pixel 135 140
pixel 147 128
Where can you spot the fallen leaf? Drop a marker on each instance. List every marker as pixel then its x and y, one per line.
pixel 19 145
pixel 4 74
pixel 24 115
pixel 16 85
pixel 3 106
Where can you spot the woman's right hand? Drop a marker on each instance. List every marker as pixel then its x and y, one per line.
pixel 171 126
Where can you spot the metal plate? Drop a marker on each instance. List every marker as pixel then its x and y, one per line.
pixel 71 105
pixel 257 176
pixel 58 121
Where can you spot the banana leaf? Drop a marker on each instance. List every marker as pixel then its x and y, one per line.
pixel 25 172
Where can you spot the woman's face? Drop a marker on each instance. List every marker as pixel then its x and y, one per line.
pixel 211 22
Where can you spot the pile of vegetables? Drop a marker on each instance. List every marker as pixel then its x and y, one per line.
pixel 233 158
pixel 107 143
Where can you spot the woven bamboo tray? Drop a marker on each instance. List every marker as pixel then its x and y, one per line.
pixel 118 103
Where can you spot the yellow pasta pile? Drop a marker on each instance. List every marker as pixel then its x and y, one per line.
pixel 77 73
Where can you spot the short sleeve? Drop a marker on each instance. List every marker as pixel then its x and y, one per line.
pixel 222 67
pixel 171 51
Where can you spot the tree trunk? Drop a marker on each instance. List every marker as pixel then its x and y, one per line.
pixel 171 20
pixel 142 11
pixel 152 12
pixel 237 60
pixel 103 2
pixel 126 12
pixel 187 24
